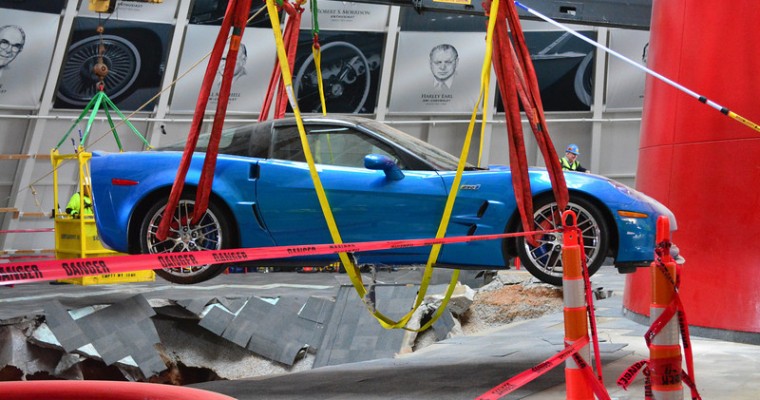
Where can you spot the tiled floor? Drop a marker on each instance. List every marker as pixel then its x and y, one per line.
pixel 466 367
pixel 456 368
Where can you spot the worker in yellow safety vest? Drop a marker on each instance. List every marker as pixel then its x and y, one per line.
pixel 570 160
pixel 72 208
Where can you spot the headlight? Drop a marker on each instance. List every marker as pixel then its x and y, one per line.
pixel 658 207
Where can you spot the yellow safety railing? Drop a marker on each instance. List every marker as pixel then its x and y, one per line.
pixel 77 236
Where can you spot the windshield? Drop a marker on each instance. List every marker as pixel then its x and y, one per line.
pixel 440 159
pixel 233 141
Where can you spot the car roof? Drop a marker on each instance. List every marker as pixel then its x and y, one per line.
pixel 348 120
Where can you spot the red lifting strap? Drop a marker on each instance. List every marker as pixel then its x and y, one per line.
pixel 540 130
pixel 235 17
pixel 290 40
pixel 517 82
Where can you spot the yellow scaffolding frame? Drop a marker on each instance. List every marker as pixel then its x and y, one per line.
pixel 77 237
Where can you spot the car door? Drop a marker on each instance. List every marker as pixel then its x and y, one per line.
pixel 367 205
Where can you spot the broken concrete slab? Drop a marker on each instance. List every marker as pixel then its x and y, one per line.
pixel 239 329
pixel 195 305
pixel 232 305
pixel 314 316
pixel 216 319
pixel 18 351
pixel 443 325
pixel 116 332
pixel 199 352
pixel 442 328
pixel 66 330
pixel 353 334
pixel 124 329
pixel 278 335
pixel 271 330
pixel 459 302
pixel 278 329
pixel 508 277
pixel 68 367
pixel 194 348
pixel 317 309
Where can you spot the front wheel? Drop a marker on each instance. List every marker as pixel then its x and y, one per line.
pixel 211 233
pixel 545 261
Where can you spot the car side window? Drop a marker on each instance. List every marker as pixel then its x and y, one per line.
pixel 340 146
pixel 286 144
pixel 233 141
pixel 236 142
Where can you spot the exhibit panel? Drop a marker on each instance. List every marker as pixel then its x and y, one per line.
pixel 135 54
pixel 24 68
pixel 255 61
pixel 340 15
pixel 418 84
pixel 625 83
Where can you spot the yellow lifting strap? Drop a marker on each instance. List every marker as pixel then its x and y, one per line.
pixel 318 65
pixel 317 53
pixel 485 79
pixel 351 269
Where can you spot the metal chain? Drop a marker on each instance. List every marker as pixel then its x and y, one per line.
pixel 101 69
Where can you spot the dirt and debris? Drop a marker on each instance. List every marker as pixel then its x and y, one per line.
pixel 510 297
pixel 494 307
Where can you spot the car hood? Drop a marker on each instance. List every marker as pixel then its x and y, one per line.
pixel 577 179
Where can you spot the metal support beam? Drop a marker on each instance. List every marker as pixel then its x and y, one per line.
pixel 628 14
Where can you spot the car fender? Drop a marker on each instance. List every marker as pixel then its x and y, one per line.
pixel 117 204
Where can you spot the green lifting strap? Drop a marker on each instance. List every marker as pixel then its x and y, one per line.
pixel 314 18
pixel 92 107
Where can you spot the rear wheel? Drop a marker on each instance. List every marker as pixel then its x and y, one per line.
pixel 545 261
pixel 211 233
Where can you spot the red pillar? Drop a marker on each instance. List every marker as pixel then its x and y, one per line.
pixel 703 165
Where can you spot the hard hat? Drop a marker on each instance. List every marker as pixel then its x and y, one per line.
pixel 573 148
pixel 86 181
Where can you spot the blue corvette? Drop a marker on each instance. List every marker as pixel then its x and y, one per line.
pixel 382 184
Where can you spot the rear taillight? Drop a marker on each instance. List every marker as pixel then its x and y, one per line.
pixel 123 182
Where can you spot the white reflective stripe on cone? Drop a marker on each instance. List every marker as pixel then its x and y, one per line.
pixel 584 352
pixel 667 395
pixel 574 293
pixel 669 335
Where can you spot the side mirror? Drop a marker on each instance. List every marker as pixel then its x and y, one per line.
pixel 384 163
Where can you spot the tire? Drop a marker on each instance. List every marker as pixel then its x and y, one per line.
pixel 545 262
pixel 212 233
